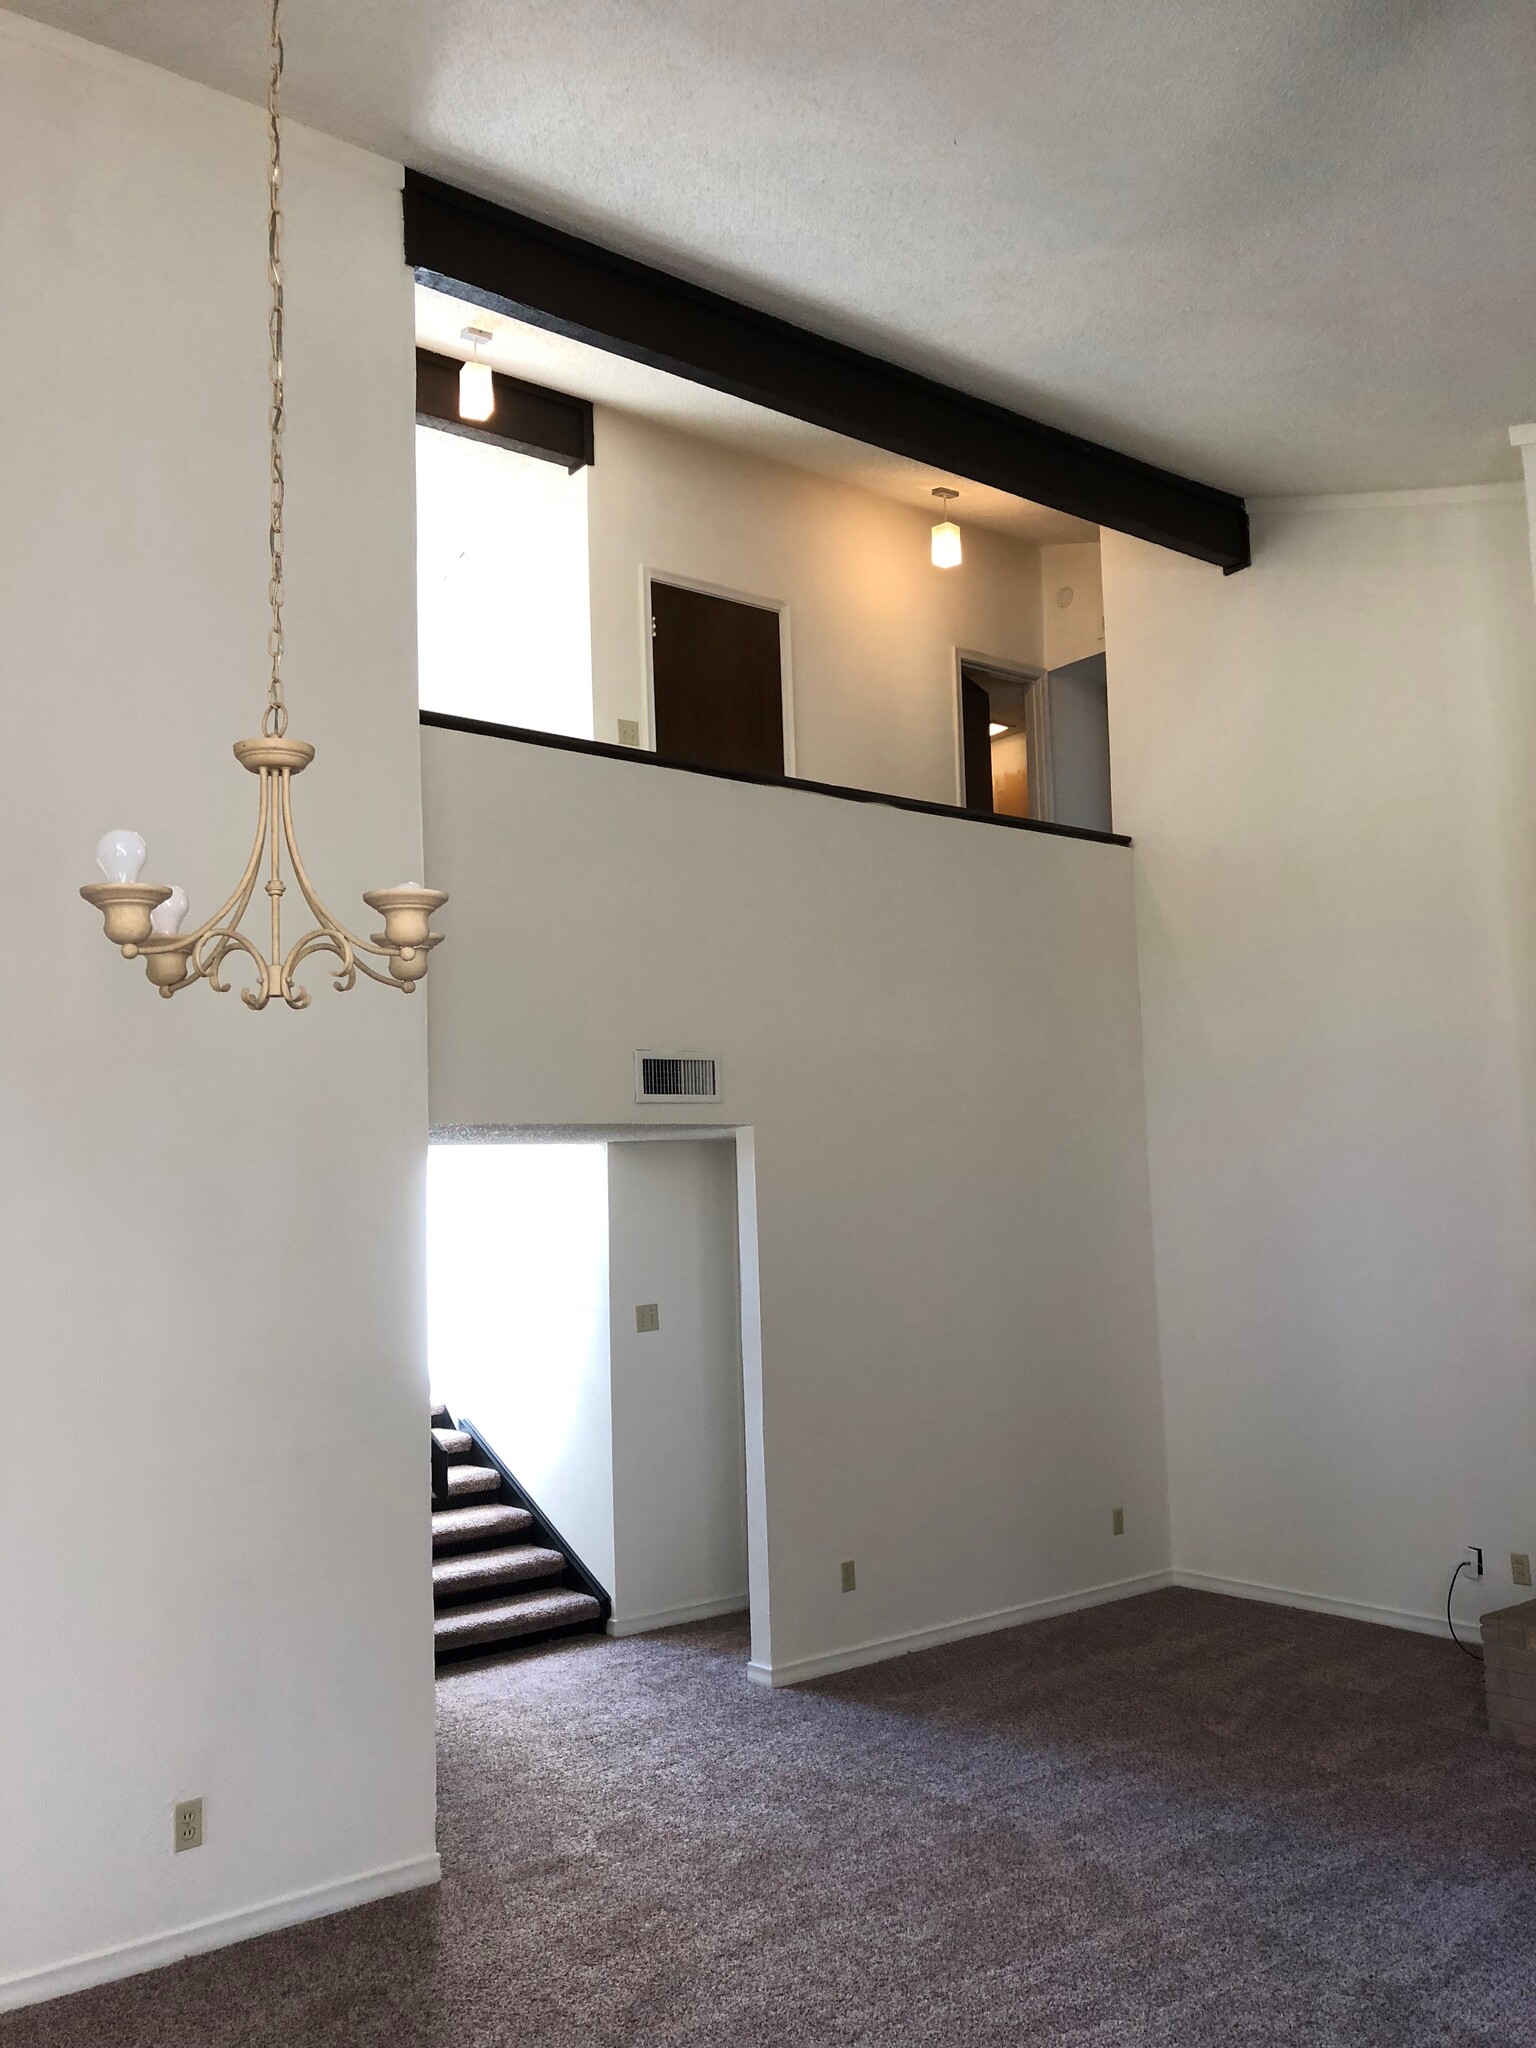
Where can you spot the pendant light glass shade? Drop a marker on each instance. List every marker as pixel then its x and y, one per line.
pixel 477 394
pixel 946 548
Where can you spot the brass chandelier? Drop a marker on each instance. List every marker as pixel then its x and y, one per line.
pixel 144 919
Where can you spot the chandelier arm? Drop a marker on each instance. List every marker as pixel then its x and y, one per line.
pixel 234 907
pixel 227 941
pixel 373 974
pixel 307 889
pixel 321 941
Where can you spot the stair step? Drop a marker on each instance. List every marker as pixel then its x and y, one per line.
pixel 481 1569
pixel 458 1443
pixel 441 1419
pixel 486 1524
pixel 522 1614
pixel 471 1479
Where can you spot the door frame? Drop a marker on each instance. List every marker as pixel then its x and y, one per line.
pixel 780 605
pixel 1037 723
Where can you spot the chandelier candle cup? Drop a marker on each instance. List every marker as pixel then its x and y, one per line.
pixel 146 918
pixel 127 911
pixel 407 913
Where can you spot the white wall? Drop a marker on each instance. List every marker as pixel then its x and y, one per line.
pixel 1081 779
pixel 1074 629
pixel 1325 763
pixel 679 1446
pixel 951 1354
pixel 1524 438
pixel 517 1284
pixel 213 1516
pixel 873 625
pixel 503 618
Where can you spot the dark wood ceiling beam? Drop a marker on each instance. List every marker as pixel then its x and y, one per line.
pixel 527 418
pixel 511 264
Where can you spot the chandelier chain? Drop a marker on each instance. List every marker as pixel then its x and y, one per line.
pixel 275 719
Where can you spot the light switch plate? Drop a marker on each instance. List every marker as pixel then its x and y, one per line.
pixel 1520 1567
pixel 647 1317
pixel 1117 1521
pixel 850 1577
pixel 629 732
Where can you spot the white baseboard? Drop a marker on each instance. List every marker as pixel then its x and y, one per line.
pixel 108 1964
pixel 801 1668
pixel 1321 1603
pixel 674 1617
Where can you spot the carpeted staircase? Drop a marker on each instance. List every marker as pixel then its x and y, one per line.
pixel 498 1574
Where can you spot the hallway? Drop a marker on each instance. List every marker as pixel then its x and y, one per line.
pixel 1178 1820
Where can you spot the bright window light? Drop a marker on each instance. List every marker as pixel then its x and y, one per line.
pixel 517 1292
pixel 503 610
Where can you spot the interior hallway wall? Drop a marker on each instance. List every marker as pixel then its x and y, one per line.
pixel 1071 602
pixel 679 1447
pixel 873 625
pixel 954 1334
pixel 214 1550
pixel 1325 763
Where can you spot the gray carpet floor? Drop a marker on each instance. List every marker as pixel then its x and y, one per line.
pixel 1179 1820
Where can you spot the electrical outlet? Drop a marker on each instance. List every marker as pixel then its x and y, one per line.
pixel 1117 1521
pixel 647 1317
pixel 1520 1567
pixel 629 732
pixel 1472 1558
pixel 187 1825
pixel 848 1575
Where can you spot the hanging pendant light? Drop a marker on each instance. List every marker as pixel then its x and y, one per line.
pixel 477 391
pixel 144 919
pixel 946 535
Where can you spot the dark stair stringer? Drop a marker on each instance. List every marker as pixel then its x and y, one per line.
pixel 500 1574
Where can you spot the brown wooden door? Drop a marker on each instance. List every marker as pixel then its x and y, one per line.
pixel 719 689
pixel 976 745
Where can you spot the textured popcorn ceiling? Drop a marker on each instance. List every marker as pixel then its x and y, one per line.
pixel 1282 245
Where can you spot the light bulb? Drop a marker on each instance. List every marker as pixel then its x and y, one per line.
pixel 121 854
pixel 166 917
pixel 477 394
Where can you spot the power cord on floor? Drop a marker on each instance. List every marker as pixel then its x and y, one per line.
pixel 1465 1648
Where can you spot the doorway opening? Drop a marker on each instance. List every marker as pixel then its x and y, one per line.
pixel 1034 743
pixel 1004 753
pixel 585 1334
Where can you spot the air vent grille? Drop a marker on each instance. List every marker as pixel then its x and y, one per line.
pixel 675 1077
